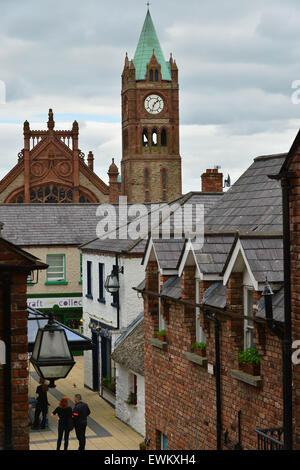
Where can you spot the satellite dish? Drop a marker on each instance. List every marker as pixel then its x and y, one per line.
pixel 227 182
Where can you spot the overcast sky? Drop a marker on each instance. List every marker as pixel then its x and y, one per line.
pixel 237 60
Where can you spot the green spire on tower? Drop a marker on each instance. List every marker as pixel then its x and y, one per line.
pixel 147 43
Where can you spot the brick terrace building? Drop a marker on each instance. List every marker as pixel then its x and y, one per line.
pixel 15 266
pixel 213 294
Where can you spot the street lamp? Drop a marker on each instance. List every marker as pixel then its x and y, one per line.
pixel 268 295
pixel 112 284
pixel 52 357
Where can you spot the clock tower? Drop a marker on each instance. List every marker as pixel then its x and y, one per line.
pixel 151 162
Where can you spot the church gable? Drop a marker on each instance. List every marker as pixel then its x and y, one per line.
pixel 50 168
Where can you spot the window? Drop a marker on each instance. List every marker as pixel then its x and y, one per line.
pixel 145 138
pixel 30 279
pixel 101 283
pixel 248 323
pixel 89 279
pixel 200 337
pixel 164 184
pixel 80 280
pixel 151 75
pixel 147 184
pixel 163 138
pixel 156 75
pixel 161 321
pixel 56 272
pixel 163 442
pixel 154 138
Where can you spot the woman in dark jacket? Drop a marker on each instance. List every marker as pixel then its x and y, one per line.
pixel 65 422
pixel 41 404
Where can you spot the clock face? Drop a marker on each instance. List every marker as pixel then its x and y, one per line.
pixel 154 104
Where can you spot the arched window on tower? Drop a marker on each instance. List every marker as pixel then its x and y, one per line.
pixel 147 184
pixel 164 184
pixel 125 141
pixel 163 138
pixel 156 75
pixel 151 75
pixel 145 138
pixel 154 138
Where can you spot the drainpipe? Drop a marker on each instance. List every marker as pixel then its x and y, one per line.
pixel 118 296
pixel 218 378
pixel 287 339
pixel 6 280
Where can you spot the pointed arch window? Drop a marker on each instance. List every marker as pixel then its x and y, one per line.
pixel 145 138
pixel 156 75
pixel 164 184
pixel 164 138
pixel 151 75
pixel 154 138
pixel 147 184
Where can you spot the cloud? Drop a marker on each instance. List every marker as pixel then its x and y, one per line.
pixel 237 61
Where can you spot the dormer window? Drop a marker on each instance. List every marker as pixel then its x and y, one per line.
pixel 151 75
pixel 156 75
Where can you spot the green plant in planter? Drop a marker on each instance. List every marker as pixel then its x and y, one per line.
pixel 161 333
pixel 197 345
pixel 250 356
pixel 132 399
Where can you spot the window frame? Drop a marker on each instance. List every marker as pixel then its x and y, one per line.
pixel 101 280
pixel 62 281
pixel 89 279
pixel 199 333
pixel 248 324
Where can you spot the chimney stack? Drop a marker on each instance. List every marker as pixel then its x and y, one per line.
pixel 212 181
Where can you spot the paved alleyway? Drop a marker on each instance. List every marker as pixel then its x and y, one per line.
pixel 104 430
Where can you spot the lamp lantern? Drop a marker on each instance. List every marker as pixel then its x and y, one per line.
pixel 52 357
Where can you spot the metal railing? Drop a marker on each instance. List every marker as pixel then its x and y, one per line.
pixel 270 439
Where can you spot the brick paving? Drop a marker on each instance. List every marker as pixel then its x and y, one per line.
pixel 104 430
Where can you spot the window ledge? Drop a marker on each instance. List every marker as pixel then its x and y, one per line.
pixel 157 343
pixel 195 358
pixel 56 283
pixel 254 380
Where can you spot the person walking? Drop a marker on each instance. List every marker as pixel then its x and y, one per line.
pixel 80 413
pixel 65 422
pixel 41 405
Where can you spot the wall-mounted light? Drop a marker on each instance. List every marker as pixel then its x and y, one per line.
pixel 112 284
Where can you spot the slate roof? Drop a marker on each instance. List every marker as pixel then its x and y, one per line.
pixel 186 203
pixel 265 258
pixel 48 224
pixel 129 347
pixel 215 296
pixel 212 256
pixel 172 288
pixel 253 203
pixel 168 252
